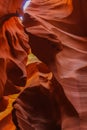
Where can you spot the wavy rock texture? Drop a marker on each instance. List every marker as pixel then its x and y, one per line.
pixel 36 106
pixel 11 6
pixel 14 46
pixel 58 37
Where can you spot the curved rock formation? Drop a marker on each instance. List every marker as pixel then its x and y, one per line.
pixel 36 107
pixel 42 88
pixel 58 37
pixel 14 46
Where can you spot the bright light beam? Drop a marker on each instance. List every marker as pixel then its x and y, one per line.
pixel 26 4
